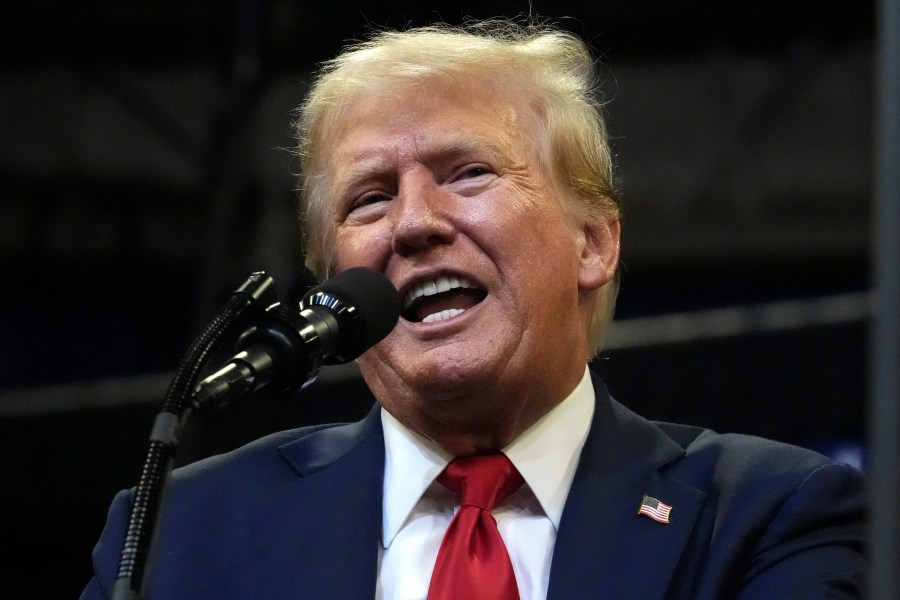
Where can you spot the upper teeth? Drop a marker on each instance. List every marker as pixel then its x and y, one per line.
pixel 443 283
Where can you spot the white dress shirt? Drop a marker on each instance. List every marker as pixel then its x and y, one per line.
pixel 417 510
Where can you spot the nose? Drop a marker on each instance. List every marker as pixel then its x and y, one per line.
pixel 421 216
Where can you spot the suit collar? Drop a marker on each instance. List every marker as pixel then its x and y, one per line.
pixel 604 548
pixel 327 444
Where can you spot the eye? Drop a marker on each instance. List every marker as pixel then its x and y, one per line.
pixel 367 204
pixel 471 179
pixel 368 199
pixel 473 171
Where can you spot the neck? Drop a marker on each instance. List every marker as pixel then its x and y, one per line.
pixel 470 425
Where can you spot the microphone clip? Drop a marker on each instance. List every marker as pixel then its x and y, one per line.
pixel 283 350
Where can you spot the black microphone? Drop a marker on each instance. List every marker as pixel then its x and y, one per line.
pixel 283 350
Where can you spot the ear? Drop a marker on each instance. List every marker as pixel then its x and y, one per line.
pixel 599 254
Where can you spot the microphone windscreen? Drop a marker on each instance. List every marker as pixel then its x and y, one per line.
pixel 372 295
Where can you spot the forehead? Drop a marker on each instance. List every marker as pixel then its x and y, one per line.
pixel 431 118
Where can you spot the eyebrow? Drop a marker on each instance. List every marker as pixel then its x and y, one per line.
pixel 456 144
pixel 372 168
pixel 373 164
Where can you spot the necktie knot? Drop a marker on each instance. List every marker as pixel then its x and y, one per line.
pixel 483 481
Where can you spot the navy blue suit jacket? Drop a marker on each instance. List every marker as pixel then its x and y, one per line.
pixel 298 515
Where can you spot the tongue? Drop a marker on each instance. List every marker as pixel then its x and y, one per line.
pixel 461 299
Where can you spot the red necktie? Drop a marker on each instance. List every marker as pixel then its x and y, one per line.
pixel 473 562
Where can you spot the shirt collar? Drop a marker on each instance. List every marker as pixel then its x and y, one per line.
pixel 546 455
pixel 412 462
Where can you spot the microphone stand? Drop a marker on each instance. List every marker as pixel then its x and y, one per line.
pixel 281 351
pixel 252 297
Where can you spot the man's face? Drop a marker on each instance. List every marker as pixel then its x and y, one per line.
pixel 440 190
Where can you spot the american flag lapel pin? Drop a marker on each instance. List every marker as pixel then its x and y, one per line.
pixel 656 510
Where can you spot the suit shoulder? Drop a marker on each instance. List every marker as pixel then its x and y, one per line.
pixel 256 456
pixel 700 443
pixel 737 461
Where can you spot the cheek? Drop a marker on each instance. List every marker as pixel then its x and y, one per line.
pixel 361 246
pixel 545 254
pixel 539 240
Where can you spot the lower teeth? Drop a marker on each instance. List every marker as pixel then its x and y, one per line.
pixel 443 315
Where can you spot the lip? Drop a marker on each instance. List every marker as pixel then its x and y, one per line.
pixel 440 330
pixel 411 281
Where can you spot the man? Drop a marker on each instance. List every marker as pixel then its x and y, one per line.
pixel 471 167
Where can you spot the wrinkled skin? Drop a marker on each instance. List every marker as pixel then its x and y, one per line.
pixel 446 181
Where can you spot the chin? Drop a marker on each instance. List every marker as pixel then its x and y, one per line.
pixel 440 374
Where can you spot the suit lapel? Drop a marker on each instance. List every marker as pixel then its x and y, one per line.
pixel 340 473
pixel 604 549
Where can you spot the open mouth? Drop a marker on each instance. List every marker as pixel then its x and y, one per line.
pixel 441 298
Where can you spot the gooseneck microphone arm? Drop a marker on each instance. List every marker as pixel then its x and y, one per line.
pixel 253 296
pixel 279 353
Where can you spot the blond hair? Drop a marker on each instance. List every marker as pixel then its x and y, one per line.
pixel 553 68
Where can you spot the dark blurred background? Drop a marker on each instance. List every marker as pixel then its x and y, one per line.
pixel 145 172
